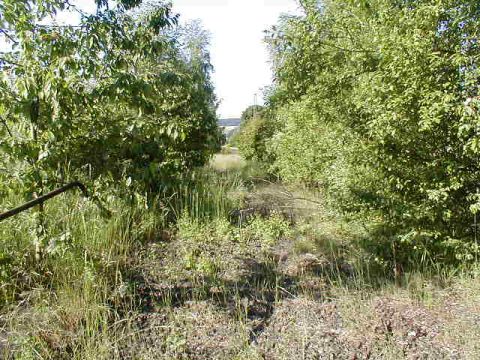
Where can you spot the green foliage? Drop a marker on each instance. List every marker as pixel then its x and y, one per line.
pixel 377 102
pixel 122 101
pixel 254 130
pixel 268 231
pixel 202 240
pixel 76 292
pixel 118 96
pixel 251 112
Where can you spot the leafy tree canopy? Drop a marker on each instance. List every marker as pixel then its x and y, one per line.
pixel 116 96
pixel 376 101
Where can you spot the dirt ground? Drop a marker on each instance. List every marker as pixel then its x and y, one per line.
pixel 292 299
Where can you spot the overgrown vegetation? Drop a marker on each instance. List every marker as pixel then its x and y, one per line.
pixel 122 101
pixel 121 95
pixel 252 135
pixel 376 102
pixel 341 230
pixel 67 304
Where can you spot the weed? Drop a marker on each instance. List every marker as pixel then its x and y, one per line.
pixel 174 277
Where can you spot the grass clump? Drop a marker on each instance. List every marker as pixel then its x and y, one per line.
pixel 63 304
pixel 181 277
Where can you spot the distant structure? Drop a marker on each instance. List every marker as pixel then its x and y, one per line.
pixel 229 126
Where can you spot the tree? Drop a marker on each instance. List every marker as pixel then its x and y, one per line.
pixel 113 99
pixel 113 95
pixel 377 103
pixel 255 129
pixel 251 112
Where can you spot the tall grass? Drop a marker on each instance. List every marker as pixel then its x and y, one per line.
pixel 68 302
pixel 207 194
pixel 63 305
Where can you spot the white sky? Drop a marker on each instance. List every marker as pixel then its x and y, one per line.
pixel 238 53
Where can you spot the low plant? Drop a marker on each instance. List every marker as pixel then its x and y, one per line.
pixel 79 287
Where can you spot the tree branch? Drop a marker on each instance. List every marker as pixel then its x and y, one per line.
pixel 75 8
pixel 2 59
pixel 4 122
pixel 10 37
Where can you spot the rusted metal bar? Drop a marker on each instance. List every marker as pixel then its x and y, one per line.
pixel 43 198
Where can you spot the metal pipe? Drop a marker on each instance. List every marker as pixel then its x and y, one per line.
pixel 43 198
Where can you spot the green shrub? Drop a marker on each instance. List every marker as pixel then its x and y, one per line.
pixel 255 129
pixel 376 102
pixel 268 231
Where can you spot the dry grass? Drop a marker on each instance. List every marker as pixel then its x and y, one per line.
pixel 224 162
pixel 195 330
pixel 289 281
pixel 227 291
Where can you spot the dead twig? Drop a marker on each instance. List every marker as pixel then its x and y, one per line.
pixel 4 122
pixel 8 36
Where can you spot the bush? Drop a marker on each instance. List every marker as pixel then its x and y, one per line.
pixel 376 102
pixel 252 137
pixel 125 95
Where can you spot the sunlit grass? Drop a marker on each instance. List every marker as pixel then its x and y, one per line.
pixel 225 162
pixel 290 260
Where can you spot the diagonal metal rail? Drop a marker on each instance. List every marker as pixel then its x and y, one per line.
pixel 43 198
